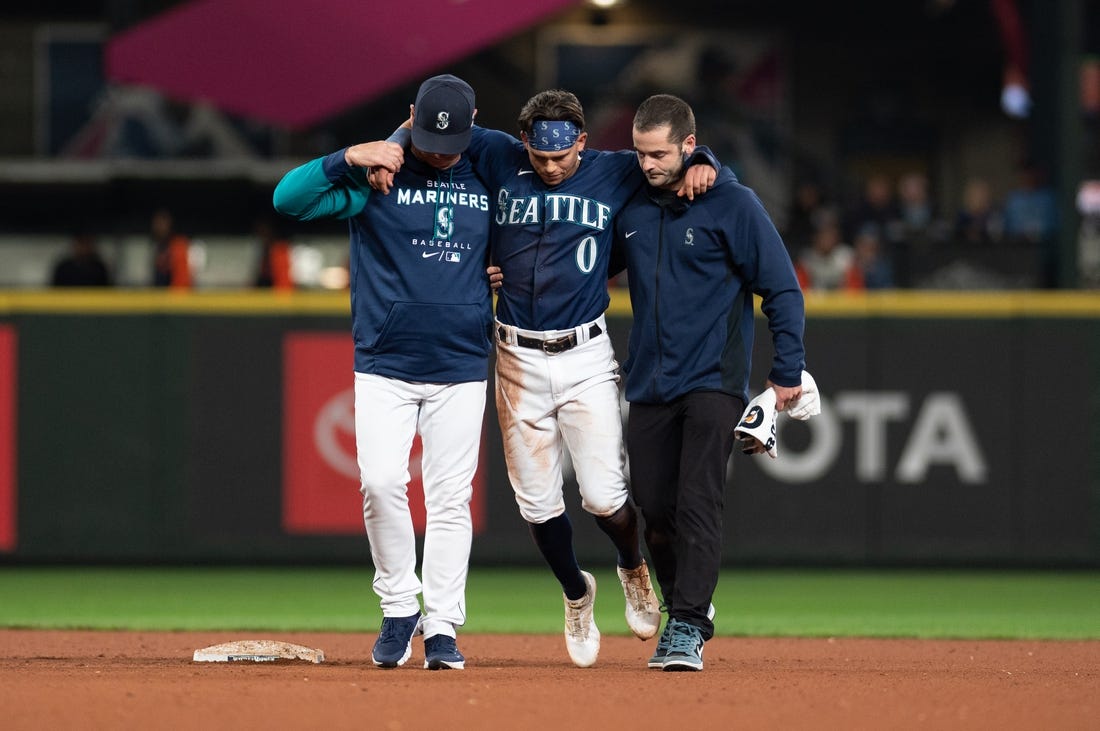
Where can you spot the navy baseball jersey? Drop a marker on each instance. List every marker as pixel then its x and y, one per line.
pixel 693 265
pixel 553 243
pixel 420 299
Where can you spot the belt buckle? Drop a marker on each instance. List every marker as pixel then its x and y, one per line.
pixel 559 345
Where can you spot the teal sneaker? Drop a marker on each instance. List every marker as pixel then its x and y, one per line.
pixel 685 647
pixel 657 661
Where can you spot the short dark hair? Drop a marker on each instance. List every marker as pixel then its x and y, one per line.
pixel 661 109
pixel 556 105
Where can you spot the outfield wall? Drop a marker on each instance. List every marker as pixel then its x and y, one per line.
pixel 152 426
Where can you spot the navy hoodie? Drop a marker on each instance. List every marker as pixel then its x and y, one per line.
pixel 420 299
pixel 693 268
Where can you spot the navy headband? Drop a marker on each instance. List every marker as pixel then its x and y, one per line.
pixel 550 136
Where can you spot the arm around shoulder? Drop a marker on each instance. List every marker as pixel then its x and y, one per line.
pixel 702 169
pixel 703 155
pixel 321 188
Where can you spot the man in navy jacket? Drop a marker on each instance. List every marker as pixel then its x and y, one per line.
pixel 694 266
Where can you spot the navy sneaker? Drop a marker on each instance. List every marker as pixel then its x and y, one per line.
pixel 441 653
pixel 685 647
pixel 658 658
pixel 394 643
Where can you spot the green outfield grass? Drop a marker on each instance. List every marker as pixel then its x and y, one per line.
pixel 808 603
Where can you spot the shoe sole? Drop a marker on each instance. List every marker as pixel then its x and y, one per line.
pixel 582 662
pixel 648 633
pixel 445 664
pixel 656 664
pixel 681 665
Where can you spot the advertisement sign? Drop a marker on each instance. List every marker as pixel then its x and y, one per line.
pixel 941 441
pixel 320 474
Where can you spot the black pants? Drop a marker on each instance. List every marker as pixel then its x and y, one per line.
pixel 678 456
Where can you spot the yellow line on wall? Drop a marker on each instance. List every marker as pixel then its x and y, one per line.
pixel 925 304
pixel 998 304
pixel 158 301
pixel 890 304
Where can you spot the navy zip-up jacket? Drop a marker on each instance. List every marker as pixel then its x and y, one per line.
pixel 693 268
pixel 420 299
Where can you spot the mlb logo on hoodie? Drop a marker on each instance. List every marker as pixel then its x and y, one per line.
pixel 452 255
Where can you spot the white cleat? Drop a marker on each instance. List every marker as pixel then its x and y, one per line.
pixel 582 638
pixel 643 611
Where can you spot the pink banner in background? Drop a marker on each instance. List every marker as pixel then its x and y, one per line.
pixel 295 63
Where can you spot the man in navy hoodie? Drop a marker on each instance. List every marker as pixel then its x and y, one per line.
pixel 694 266
pixel 422 325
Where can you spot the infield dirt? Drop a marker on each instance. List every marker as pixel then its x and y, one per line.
pixel 144 680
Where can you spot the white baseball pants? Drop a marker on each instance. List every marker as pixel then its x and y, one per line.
pixel 388 414
pixel 547 403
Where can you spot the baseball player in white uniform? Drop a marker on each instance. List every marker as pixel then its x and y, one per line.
pixel 422 324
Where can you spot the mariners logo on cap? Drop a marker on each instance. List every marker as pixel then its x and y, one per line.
pixel 442 120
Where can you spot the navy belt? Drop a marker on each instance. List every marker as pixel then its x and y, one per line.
pixel 550 347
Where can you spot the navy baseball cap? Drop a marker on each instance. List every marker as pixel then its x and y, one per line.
pixel 444 115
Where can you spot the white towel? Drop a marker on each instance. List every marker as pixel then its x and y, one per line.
pixel 809 403
pixel 756 430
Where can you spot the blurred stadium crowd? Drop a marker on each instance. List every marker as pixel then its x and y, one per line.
pixel 939 144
